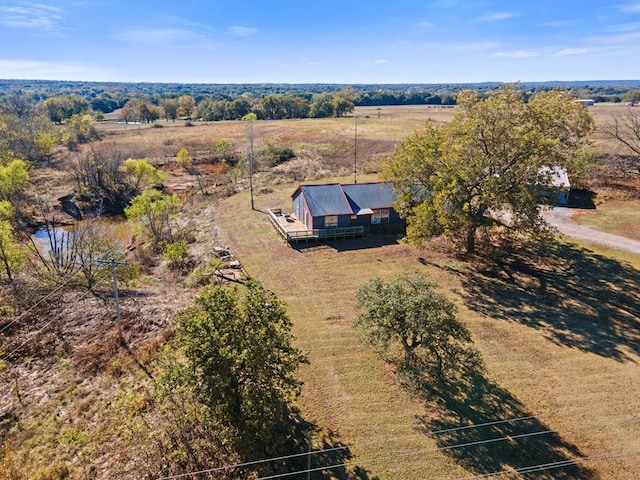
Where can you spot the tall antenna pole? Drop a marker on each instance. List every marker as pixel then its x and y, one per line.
pixel 113 264
pixel 355 146
pixel 251 134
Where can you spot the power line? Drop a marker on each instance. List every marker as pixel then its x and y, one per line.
pixel 34 334
pixel 23 314
pixel 376 459
pixel 552 465
pixel 404 454
pixel 255 462
pixel 113 264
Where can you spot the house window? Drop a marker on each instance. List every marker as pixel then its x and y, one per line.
pixel 380 216
pixel 331 221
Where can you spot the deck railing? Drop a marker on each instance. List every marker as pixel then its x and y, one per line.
pixel 316 234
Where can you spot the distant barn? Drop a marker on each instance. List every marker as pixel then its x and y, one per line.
pixel 587 102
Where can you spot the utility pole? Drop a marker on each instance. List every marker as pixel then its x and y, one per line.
pixel 251 135
pixel 355 147
pixel 113 264
pixel 309 439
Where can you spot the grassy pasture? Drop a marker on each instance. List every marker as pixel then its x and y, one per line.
pixel 560 341
pixel 614 216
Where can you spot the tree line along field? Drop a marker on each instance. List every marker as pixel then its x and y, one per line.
pixel 559 342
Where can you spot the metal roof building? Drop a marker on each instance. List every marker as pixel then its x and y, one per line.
pixel 339 206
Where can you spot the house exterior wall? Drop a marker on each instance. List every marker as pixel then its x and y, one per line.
pixel 370 193
pixel 301 210
pixel 343 222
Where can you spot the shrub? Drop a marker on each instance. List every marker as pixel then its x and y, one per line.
pixel 176 254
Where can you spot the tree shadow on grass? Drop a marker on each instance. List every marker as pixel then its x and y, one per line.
pixel 350 244
pixel 486 430
pixel 329 459
pixel 334 460
pixel 576 297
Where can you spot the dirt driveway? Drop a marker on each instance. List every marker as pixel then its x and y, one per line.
pixel 560 218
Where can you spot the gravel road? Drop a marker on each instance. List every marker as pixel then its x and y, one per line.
pixel 560 218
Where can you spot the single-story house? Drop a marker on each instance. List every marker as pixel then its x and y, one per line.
pixel 559 180
pixel 345 205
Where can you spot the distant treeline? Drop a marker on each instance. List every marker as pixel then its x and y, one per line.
pixel 147 102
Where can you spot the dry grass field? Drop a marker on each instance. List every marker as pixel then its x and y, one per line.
pixel 561 347
pixel 559 330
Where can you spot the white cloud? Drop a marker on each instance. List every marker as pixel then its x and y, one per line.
pixel 471 47
pixel 633 7
pixel 517 54
pixel 497 16
pixel 572 51
pixel 625 27
pixel 380 61
pixel 631 39
pixel 557 24
pixel 240 31
pixel 155 35
pixel 52 70
pixel 32 16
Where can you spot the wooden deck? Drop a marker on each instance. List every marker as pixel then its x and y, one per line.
pixel 294 231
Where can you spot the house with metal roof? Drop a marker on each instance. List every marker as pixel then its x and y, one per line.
pixel 557 180
pixel 338 205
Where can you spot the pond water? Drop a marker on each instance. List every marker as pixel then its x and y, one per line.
pixel 116 229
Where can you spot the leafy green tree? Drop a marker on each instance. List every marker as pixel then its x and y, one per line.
pixel 632 96
pixel 242 366
pixel 80 128
pixel 169 108
pixel 14 178
pixel 408 315
pixel 295 107
pixel 141 173
pixel 237 109
pixel 32 138
pixel 63 107
pixel 148 112
pixel 20 103
pixel 176 254
pixel 186 106
pixel 12 254
pixel 151 214
pixel 342 106
pixel 183 158
pixel 489 158
pixel 106 102
pixel 273 107
pixel 322 106
pixel 129 112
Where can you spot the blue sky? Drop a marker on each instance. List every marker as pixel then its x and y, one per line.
pixel 320 41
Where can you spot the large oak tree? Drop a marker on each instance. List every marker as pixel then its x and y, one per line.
pixel 490 158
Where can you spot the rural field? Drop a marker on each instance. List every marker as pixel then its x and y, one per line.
pixel 558 328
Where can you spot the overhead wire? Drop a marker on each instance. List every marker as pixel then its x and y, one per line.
pixel 549 466
pixel 373 459
pixel 528 469
pixel 23 314
pixel 56 317
pixel 404 454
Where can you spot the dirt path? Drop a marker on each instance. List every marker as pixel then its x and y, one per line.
pixel 561 219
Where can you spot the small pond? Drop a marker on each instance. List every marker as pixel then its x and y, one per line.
pixel 115 228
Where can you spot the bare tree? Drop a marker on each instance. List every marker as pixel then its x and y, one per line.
pixel 75 250
pixel 625 130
